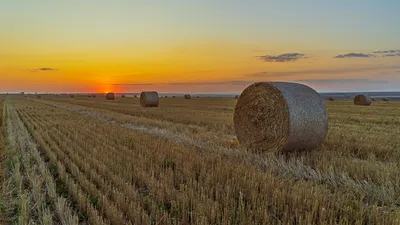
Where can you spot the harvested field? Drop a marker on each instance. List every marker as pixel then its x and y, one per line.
pixel 115 162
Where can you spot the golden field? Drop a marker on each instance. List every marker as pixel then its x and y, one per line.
pixel 92 161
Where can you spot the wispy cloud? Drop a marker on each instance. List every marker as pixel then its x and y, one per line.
pixel 287 57
pixel 354 55
pixel 233 82
pixel 43 69
pixel 332 71
pixel 339 81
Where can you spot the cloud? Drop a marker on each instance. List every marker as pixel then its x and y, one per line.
pixel 354 55
pixel 233 82
pixel 386 51
pixel 43 69
pixel 340 81
pixel 318 71
pixel 287 57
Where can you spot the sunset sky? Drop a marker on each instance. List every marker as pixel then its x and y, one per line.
pixel 209 46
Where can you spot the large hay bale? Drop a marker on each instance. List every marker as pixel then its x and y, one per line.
pixel 149 99
pixel 187 96
pixel 362 100
pixel 385 99
pixel 280 116
pixel 110 96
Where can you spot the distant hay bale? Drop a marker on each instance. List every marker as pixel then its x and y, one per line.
pixel 198 97
pixel 187 96
pixel 149 99
pixel 135 96
pixel 72 96
pixel 38 96
pixel 94 96
pixel 173 96
pixel 110 96
pixel 236 96
pixel 122 96
pixel 362 100
pixel 373 99
pixel 385 99
pixel 280 116
pixel 166 97
pixel 331 99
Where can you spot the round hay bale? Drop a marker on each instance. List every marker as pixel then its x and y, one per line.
pixel 385 99
pixel 280 116
pixel 173 96
pixel 362 100
pixel 94 96
pixel 38 96
pixel 166 97
pixel 149 99
pixel 72 96
pixel 236 96
pixel 110 96
pixel 135 96
pixel 373 99
pixel 198 97
pixel 122 96
pixel 331 99
pixel 187 96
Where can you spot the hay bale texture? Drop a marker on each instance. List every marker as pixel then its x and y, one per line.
pixel 149 99
pixel 187 96
pixel 362 100
pixel 110 96
pixel 280 116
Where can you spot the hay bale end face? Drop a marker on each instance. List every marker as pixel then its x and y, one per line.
pixel 110 96
pixel 149 99
pixel 187 96
pixel 362 100
pixel 280 116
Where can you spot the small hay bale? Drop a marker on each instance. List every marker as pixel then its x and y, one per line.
pixel 187 96
pixel 149 99
pixel 110 96
pixel 236 96
pixel 362 100
pixel 280 116
pixel 94 96
pixel 198 97
pixel 72 96
pixel 122 96
pixel 331 99
pixel 173 96
pixel 165 96
pixel 373 99
pixel 38 96
pixel 385 99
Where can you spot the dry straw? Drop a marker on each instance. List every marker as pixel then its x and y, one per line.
pixel 362 100
pixel 187 96
pixel 110 96
pixel 149 99
pixel 280 116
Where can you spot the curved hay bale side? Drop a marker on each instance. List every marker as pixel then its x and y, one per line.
pixel 187 96
pixel 149 99
pixel 280 116
pixel 110 96
pixel 362 100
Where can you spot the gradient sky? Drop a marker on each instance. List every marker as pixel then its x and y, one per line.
pixel 197 46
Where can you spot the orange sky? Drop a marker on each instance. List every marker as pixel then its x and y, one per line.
pixel 178 47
